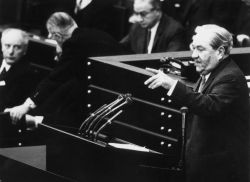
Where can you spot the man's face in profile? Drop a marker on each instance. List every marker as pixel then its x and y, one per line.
pixel 55 34
pixel 205 57
pixel 13 47
pixel 145 14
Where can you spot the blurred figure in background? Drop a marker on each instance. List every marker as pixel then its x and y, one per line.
pixel 243 25
pixel 66 85
pixel 152 30
pixel 98 14
pixel 199 12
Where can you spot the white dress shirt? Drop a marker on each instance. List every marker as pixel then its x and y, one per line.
pixel 4 66
pixel 152 37
pixel 170 92
pixel 81 4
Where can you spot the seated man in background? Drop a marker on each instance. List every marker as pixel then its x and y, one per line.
pixel 76 45
pixel 17 79
pixel 152 30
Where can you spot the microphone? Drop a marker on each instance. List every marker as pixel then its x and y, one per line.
pixel 98 119
pixel 187 70
pixel 176 63
pixel 99 111
pixel 106 123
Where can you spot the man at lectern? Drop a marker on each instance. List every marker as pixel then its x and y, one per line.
pixel 217 143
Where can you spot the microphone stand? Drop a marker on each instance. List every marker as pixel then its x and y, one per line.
pixel 106 123
pixel 99 118
pixel 85 122
pixel 98 112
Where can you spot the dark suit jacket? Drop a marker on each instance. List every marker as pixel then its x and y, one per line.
pixel 98 14
pixel 218 131
pixel 199 12
pixel 169 37
pixel 20 81
pixel 71 70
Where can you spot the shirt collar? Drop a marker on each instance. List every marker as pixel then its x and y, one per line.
pixel 154 28
pixel 207 76
pixel 5 65
pixel 152 37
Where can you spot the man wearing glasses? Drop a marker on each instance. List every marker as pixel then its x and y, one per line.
pixel 152 30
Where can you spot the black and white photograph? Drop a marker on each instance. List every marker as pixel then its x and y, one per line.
pixel 125 90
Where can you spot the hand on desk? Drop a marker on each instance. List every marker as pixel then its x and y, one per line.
pixel 159 79
pixel 17 112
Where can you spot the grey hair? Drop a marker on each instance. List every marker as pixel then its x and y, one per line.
pixel 220 36
pixel 24 35
pixel 61 20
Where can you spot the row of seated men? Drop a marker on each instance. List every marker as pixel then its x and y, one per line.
pixel 169 34
pixel 218 133
pixel 59 96
pixel 160 16
pixel 51 97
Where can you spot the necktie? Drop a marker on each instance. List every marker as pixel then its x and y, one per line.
pixel 2 73
pixel 202 83
pixel 147 40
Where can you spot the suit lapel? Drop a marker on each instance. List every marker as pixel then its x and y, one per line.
pixel 14 70
pixel 159 31
pixel 215 73
pixel 140 38
pixel 197 84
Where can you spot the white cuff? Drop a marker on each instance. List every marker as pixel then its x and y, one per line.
pixel 29 103
pixel 170 92
pixel 38 120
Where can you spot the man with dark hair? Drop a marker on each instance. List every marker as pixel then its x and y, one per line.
pixel 75 45
pixel 152 30
pixel 218 131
